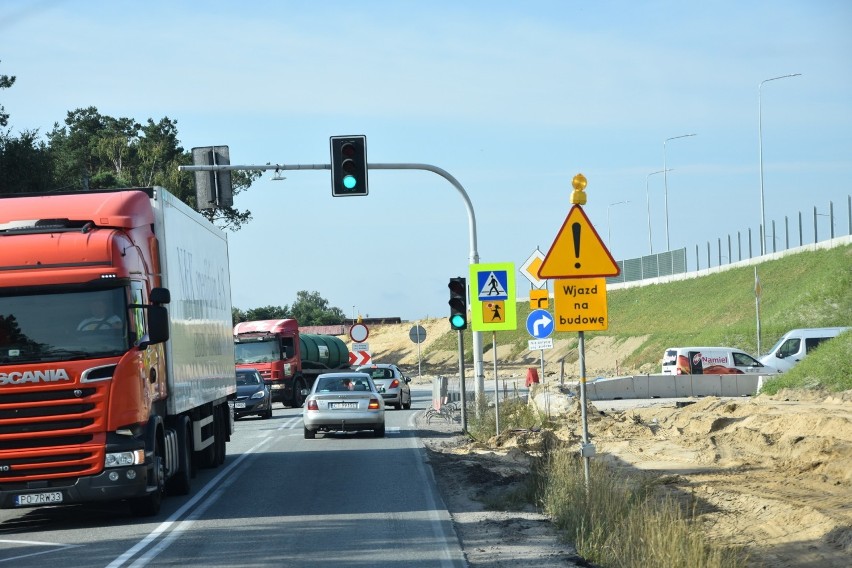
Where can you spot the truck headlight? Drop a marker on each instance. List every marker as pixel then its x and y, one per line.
pixel 124 459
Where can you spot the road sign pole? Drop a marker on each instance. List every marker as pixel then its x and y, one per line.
pixel 418 353
pixel 581 350
pixel 496 390
pixel 461 383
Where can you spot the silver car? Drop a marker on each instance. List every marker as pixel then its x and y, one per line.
pixel 343 402
pixel 391 382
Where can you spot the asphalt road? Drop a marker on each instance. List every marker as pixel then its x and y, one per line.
pixel 279 500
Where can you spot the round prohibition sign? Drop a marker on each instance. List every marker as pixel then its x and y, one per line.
pixel 359 333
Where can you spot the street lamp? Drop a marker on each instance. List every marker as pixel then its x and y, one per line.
pixel 608 227
pixel 666 184
pixel 648 201
pixel 760 154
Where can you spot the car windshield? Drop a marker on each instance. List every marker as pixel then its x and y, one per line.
pixel 244 379
pixel 381 373
pixel 63 326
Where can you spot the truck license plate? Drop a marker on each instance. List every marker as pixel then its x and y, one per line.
pixel 38 498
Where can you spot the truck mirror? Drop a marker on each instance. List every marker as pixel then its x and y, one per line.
pixel 158 323
pixel 160 296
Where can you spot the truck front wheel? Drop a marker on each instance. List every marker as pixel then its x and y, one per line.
pixel 180 483
pixel 149 505
pixel 298 398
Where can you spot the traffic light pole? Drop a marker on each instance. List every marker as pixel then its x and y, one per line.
pixel 478 368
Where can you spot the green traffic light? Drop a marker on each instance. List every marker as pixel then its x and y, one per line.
pixel 349 182
pixel 457 321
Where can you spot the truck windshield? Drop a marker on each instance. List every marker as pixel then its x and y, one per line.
pixel 63 326
pixel 263 351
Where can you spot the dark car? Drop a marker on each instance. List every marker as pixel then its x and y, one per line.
pixel 253 396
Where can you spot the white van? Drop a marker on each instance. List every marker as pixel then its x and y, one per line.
pixel 712 361
pixel 797 343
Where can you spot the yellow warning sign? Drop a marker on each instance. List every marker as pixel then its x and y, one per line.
pixel 577 251
pixel 539 300
pixel 494 311
pixel 580 304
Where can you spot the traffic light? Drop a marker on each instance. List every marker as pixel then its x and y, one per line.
pixel 458 303
pixel 348 165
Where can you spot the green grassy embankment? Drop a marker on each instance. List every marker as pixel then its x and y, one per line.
pixel 808 289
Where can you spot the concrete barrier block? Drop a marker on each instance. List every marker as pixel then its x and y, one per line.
pixel 662 386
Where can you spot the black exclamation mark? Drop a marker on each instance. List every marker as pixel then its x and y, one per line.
pixel 575 228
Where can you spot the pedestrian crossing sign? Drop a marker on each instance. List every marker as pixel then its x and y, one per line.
pixel 493 306
pixel 492 285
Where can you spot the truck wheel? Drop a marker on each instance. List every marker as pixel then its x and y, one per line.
pixel 149 505
pixel 298 400
pixel 310 434
pixel 179 483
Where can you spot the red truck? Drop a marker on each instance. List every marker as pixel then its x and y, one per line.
pixel 289 361
pixel 106 393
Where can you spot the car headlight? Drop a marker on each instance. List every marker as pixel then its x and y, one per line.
pixel 259 394
pixel 124 459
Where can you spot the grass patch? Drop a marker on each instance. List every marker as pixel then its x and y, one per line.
pixel 515 414
pixel 617 521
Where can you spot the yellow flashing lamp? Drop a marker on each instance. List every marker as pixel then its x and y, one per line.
pixel 578 196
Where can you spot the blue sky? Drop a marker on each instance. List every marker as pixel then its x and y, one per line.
pixel 511 98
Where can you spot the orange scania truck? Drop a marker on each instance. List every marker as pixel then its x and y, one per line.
pixel 116 352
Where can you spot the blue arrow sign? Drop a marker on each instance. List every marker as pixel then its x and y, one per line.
pixel 540 324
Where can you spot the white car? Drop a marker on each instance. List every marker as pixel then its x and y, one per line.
pixel 391 383
pixel 343 402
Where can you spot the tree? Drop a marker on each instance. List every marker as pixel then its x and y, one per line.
pixel 309 309
pixel 312 309
pixel 267 313
pixel 5 82
pixel 96 151
pixel 25 164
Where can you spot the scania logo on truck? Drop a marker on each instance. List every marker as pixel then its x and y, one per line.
pixel 47 376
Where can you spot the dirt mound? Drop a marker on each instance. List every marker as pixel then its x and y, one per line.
pixel 774 476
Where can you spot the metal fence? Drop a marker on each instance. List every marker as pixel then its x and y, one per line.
pixel 734 248
pixel 650 266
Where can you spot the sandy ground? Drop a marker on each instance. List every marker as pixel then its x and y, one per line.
pixel 772 475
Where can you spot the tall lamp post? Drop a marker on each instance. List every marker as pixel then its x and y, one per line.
pixel 648 201
pixel 666 184
pixel 608 226
pixel 760 155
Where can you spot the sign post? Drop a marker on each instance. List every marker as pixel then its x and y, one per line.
pixel 417 335
pixel 580 258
